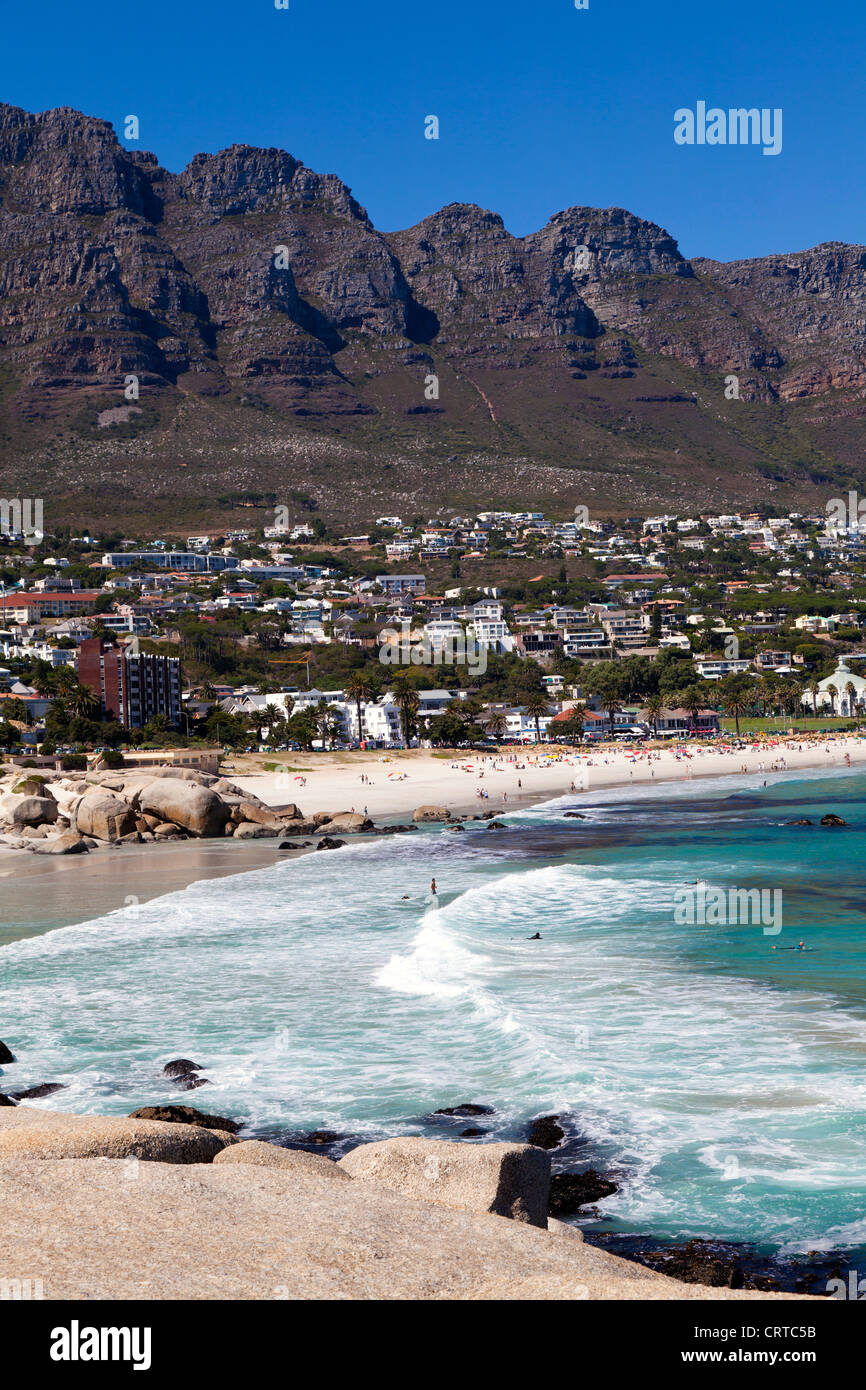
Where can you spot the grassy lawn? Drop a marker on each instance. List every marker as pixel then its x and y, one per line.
pixel 776 725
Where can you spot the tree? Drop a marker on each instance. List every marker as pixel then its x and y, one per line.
pixel 832 691
pixel 9 736
pixel 157 726
pixel 536 706
pixel 43 677
pixel 851 692
pixel 496 724
pixel 301 728
pixel 654 707
pixel 16 709
pixel 736 702
pixel 813 691
pixel 409 706
pixel 82 701
pixel 326 723
pixel 359 688
pixel 276 722
pixel 606 682
pixel 408 703
pixel 572 727
pixel 65 680
pixel 791 697
pixel 693 701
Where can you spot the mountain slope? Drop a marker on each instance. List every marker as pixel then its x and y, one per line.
pixel 282 344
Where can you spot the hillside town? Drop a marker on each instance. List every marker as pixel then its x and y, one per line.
pixel 502 627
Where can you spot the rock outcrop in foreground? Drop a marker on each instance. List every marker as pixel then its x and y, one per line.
pixel 253 1221
pixel 29 1133
pixel 510 1180
pixel 233 1231
pixel 74 813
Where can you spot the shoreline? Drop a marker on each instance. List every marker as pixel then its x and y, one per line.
pixel 445 781
pixel 53 892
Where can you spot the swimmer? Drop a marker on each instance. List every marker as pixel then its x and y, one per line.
pixel 433 887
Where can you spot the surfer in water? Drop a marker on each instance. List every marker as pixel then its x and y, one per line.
pixel 433 889
pixel 536 937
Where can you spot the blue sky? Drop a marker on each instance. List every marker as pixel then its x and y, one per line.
pixel 541 106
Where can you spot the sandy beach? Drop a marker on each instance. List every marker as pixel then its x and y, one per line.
pixel 396 783
pixel 43 892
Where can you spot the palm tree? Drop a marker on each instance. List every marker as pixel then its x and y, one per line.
pixel 791 696
pixel 359 688
pixel 832 691
pixel 407 698
pixel 409 707
pixel 496 724
pixel 44 678
pixel 82 701
pixel 65 680
pixel 693 703
pixel 276 721
pixel 536 707
pixel 851 692
pixel 814 688
pixel 736 702
pixel 607 684
pixel 767 695
pixel 654 706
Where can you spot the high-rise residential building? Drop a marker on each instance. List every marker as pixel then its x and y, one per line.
pixel 131 686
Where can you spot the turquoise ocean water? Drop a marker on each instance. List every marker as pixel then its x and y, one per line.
pixel 723 1081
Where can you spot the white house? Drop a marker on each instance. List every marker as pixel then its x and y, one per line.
pixel 844 702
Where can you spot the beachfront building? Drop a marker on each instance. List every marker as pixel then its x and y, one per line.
pixel 843 693
pixel 132 687
pixel 678 723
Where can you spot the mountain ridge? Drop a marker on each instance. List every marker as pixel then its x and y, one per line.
pixel 281 343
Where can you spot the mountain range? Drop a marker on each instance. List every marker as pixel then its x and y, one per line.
pixel 282 347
